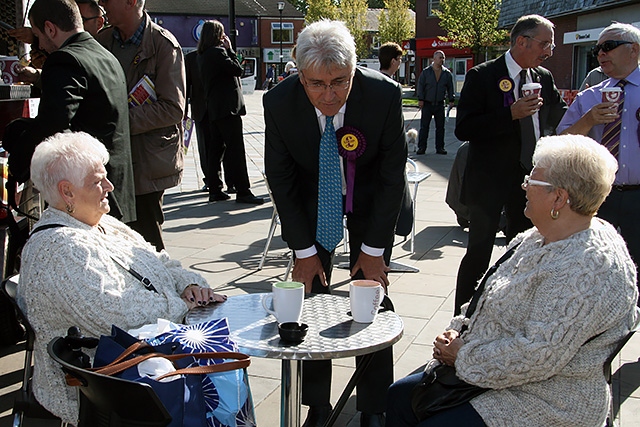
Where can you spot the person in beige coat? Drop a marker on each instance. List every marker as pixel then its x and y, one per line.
pixel 145 49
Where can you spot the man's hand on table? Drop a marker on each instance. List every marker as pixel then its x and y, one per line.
pixel 373 268
pixel 306 269
pixel 197 296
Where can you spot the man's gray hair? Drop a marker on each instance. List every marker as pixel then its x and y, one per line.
pixel 326 44
pixel 620 31
pixel 526 25
pixel 69 156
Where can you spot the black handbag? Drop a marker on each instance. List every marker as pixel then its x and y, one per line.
pixel 440 388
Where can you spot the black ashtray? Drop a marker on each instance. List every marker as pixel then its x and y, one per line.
pixel 293 331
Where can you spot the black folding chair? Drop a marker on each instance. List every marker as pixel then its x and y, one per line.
pixel 109 401
pixel 24 405
pixel 608 375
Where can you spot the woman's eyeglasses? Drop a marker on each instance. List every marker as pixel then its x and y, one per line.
pixel 528 181
pixel 609 45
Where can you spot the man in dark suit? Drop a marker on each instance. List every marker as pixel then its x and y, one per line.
pixel 500 155
pixel 83 89
pixel 196 98
pixel 220 72
pixel 365 108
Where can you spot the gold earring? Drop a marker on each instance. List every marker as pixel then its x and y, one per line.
pixel 554 214
pixel 70 209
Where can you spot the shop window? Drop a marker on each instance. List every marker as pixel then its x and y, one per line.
pixel 433 5
pixel 285 34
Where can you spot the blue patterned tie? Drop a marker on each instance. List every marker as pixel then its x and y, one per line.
pixel 329 229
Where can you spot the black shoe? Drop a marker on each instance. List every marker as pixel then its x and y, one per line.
pixel 218 197
pixel 249 199
pixel 421 151
pixel 372 420
pixel 205 188
pixel 317 416
pixel 442 151
pixel 231 189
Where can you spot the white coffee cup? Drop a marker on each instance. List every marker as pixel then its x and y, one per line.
pixel 611 94
pixel 365 297
pixel 531 88
pixel 287 301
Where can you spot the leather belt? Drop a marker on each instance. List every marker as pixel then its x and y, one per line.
pixel 626 187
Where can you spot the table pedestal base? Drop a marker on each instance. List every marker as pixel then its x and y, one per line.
pixel 291 393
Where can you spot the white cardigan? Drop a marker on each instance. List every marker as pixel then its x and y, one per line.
pixel 527 340
pixel 68 278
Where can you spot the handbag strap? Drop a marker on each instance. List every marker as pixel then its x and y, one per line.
pixel 144 280
pixel 241 361
pixel 480 289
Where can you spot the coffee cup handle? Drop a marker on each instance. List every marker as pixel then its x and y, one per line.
pixel 264 304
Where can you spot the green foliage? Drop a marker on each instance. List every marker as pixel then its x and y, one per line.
pixel 354 14
pixel 300 5
pixel 472 24
pixel 395 23
pixel 320 9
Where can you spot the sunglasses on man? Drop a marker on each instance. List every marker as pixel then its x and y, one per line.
pixel 609 45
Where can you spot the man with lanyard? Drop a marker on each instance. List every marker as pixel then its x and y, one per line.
pixel 615 123
pixel 148 52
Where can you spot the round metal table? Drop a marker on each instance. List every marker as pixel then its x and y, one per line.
pixel 332 335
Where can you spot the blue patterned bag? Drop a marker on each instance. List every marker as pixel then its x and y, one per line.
pixel 221 399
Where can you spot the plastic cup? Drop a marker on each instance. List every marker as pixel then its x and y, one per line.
pixel 531 88
pixel 611 94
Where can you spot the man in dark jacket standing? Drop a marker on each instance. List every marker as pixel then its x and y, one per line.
pixel 83 89
pixel 220 71
pixel 434 85
pixel 148 52
pixel 502 127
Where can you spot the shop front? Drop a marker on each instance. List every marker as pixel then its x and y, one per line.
pixel 459 61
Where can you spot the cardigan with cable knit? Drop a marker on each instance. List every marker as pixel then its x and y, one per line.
pixel 68 278
pixel 531 339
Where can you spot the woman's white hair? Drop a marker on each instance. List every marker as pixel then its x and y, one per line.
pixel 69 156
pixel 579 165
pixel 326 44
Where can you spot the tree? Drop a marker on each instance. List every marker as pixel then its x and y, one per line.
pixel 472 24
pixel 320 9
pixel 380 4
pixel 354 14
pixel 395 23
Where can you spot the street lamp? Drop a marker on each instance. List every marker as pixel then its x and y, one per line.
pixel 280 9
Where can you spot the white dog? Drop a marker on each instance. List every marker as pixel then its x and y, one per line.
pixel 412 140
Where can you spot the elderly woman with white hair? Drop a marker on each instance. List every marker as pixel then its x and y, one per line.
pixel 552 312
pixel 83 268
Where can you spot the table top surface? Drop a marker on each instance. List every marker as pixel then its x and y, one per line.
pixel 332 332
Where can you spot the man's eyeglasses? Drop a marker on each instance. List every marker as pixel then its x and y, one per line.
pixel 321 87
pixel 545 45
pixel 609 45
pixel 528 181
pixel 89 18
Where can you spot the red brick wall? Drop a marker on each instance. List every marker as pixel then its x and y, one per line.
pixel 561 63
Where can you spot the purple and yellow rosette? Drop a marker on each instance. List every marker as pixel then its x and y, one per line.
pixel 351 145
pixel 505 84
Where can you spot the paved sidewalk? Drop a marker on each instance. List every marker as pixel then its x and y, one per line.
pixel 224 242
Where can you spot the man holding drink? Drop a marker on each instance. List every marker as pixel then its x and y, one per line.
pixel 610 113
